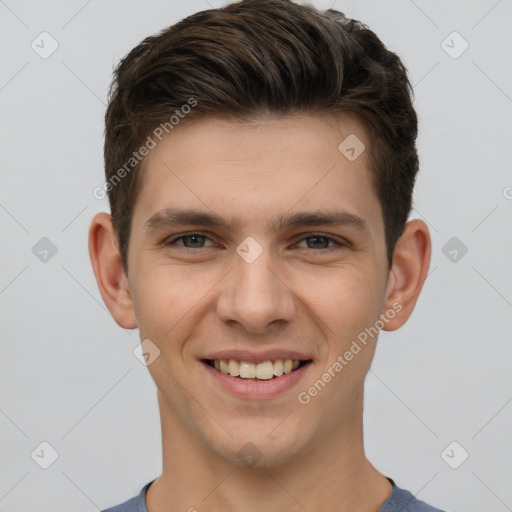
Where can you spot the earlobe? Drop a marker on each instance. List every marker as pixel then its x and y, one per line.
pixel 108 270
pixel 408 272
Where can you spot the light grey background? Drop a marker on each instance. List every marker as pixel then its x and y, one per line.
pixel 68 373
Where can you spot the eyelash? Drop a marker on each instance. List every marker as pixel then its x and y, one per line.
pixel 337 243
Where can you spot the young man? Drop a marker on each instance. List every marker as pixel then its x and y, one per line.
pixel 260 162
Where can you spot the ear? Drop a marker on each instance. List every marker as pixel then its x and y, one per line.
pixel 411 260
pixel 108 269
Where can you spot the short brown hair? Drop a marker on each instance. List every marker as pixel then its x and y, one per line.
pixel 257 57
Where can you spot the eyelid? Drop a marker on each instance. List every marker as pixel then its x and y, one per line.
pixel 303 236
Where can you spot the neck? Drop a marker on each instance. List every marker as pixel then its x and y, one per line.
pixel 333 475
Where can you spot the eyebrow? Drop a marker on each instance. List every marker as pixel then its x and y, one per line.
pixel 174 217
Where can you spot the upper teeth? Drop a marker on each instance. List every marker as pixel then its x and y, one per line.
pixel 265 370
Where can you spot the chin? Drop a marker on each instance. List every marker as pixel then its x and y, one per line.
pixel 261 447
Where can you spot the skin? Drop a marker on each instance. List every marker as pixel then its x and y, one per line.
pixel 296 295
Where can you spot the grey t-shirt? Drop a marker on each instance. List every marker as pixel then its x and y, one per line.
pixel 398 501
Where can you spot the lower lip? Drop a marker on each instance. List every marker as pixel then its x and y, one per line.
pixel 257 389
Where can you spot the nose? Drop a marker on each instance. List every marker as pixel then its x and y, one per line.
pixel 255 295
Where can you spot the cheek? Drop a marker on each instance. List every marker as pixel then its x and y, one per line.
pixel 346 299
pixel 168 295
pixel 348 302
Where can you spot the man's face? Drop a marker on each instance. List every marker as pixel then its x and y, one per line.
pixel 257 285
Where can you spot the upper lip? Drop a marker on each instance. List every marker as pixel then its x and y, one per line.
pixel 249 356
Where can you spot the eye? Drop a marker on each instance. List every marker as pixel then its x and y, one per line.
pixel 321 242
pixel 316 241
pixel 190 241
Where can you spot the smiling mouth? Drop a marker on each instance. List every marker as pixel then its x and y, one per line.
pixel 267 370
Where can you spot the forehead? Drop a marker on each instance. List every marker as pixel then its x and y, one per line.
pixel 267 166
pixel 303 135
